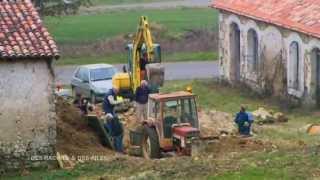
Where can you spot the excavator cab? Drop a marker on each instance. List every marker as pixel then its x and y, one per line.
pixel 141 46
pixel 155 59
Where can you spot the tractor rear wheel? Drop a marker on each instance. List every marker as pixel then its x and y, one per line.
pixel 150 144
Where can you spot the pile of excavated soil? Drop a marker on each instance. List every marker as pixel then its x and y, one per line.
pixel 236 144
pixel 74 136
pixel 216 123
pixel 130 122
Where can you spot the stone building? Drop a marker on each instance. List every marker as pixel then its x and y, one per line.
pixel 27 112
pixel 271 46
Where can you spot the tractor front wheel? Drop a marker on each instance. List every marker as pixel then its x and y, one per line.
pixel 150 144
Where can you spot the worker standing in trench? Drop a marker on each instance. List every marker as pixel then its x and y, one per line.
pixel 112 123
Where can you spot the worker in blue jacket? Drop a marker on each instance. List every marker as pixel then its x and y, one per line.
pixel 243 121
pixel 110 101
pixel 115 128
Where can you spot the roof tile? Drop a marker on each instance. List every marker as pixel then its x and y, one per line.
pixel 298 15
pixel 22 34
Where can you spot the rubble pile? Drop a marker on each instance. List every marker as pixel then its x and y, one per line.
pixel 264 116
pixel 216 123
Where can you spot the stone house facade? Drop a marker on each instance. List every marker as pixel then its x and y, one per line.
pixel 272 47
pixel 27 111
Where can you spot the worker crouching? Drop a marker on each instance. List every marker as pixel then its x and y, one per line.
pixel 244 121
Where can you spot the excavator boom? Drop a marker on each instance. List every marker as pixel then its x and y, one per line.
pixel 143 38
pixel 142 43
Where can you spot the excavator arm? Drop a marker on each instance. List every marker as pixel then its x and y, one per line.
pixel 128 81
pixel 143 38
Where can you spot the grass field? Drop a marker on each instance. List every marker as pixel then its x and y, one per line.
pixel 296 155
pixel 89 28
pixel 122 58
pixel 113 2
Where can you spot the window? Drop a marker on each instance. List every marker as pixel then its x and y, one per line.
pixel 294 65
pixel 172 109
pixel 252 53
pixel 172 116
pixel 78 74
pixel 189 112
pixel 101 74
pixel 83 74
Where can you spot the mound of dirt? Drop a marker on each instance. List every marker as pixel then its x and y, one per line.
pixel 74 136
pixel 130 122
pixel 236 144
pixel 216 123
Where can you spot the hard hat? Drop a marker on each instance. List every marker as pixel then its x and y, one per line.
pixel 189 89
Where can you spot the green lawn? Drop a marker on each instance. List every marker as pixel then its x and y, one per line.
pixel 90 28
pixel 122 58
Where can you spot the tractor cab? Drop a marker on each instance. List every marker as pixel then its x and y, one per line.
pixel 173 120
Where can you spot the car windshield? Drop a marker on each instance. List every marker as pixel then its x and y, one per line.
pixel 100 74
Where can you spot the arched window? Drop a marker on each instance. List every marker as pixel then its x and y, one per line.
pixel 252 53
pixel 294 63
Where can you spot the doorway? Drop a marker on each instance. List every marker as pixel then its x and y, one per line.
pixel 315 57
pixel 234 52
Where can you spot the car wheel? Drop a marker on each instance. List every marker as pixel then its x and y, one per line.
pixel 150 145
pixel 93 98
pixel 73 92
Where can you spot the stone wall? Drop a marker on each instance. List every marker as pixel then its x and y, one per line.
pixel 27 113
pixel 272 75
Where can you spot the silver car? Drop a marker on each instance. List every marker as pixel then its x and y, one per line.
pixel 92 81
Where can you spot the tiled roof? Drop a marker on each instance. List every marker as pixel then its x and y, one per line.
pixel 22 34
pixel 299 15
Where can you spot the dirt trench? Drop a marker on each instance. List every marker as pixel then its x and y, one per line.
pixel 74 136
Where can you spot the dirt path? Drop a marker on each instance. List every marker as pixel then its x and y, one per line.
pixel 152 5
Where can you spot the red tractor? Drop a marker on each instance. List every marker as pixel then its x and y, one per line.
pixel 172 125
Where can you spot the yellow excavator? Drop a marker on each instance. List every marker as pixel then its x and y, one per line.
pixel 141 47
pixel 172 120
